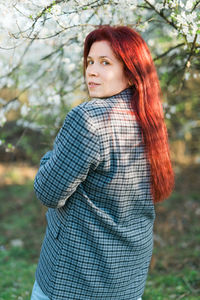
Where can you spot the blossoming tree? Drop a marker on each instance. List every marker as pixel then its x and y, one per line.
pixel 41 45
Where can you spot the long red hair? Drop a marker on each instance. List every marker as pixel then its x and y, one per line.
pixel 131 49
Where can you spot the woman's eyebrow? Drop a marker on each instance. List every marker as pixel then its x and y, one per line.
pixel 102 56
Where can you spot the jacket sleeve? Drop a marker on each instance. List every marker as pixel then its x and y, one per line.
pixel 76 150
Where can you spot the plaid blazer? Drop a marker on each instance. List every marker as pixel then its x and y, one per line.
pixel 96 185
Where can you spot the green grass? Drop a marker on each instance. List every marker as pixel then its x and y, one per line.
pixel 17 276
pixel 174 272
pixel 22 218
pixel 173 285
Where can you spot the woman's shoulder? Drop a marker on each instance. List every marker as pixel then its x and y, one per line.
pixel 92 107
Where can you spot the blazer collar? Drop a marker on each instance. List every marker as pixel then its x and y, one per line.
pixel 126 94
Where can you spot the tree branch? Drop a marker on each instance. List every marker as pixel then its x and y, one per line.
pixel 20 61
pixel 187 63
pixel 195 6
pixel 168 51
pixel 161 14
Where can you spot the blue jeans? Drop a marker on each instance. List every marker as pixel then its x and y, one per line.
pixel 37 293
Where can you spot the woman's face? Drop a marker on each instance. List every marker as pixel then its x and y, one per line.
pixel 104 73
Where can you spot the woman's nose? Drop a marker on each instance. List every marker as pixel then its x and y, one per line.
pixel 93 70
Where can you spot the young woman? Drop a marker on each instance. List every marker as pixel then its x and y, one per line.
pixel 110 164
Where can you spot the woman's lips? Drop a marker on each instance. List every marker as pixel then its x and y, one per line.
pixel 93 84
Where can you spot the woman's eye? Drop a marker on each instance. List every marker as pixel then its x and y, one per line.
pixel 90 62
pixel 105 62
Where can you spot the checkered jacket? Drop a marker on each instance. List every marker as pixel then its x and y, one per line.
pixel 96 185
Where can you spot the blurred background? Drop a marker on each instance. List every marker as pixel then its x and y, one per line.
pixel 41 80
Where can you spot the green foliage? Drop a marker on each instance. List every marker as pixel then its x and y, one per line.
pixel 173 275
pixel 18 143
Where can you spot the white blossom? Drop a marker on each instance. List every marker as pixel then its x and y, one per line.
pixel 189 5
pixel 56 10
pixel 66 60
pixel 31 125
pixel 172 109
pixel 42 76
pixel 190 38
pixel 3 118
pixel 198 39
pixel 163 69
pixel 13 105
pixel 74 19
pixel 55 100
pixel 181 4
pixel 24 110
pixel 166 5
pixel 191 17
pixel 181 18
pixel 77 49
pixel 152 2
pixel 173 3
pixel 185 29
pixel 43 3
pixel 187 75
pixel 10 82
pixel 71 67
pixel 159 6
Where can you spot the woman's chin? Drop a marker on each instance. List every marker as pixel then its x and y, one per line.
pixel 94 94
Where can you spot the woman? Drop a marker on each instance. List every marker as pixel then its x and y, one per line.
pixel 110 164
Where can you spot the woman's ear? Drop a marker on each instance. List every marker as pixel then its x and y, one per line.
pixel 130 83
